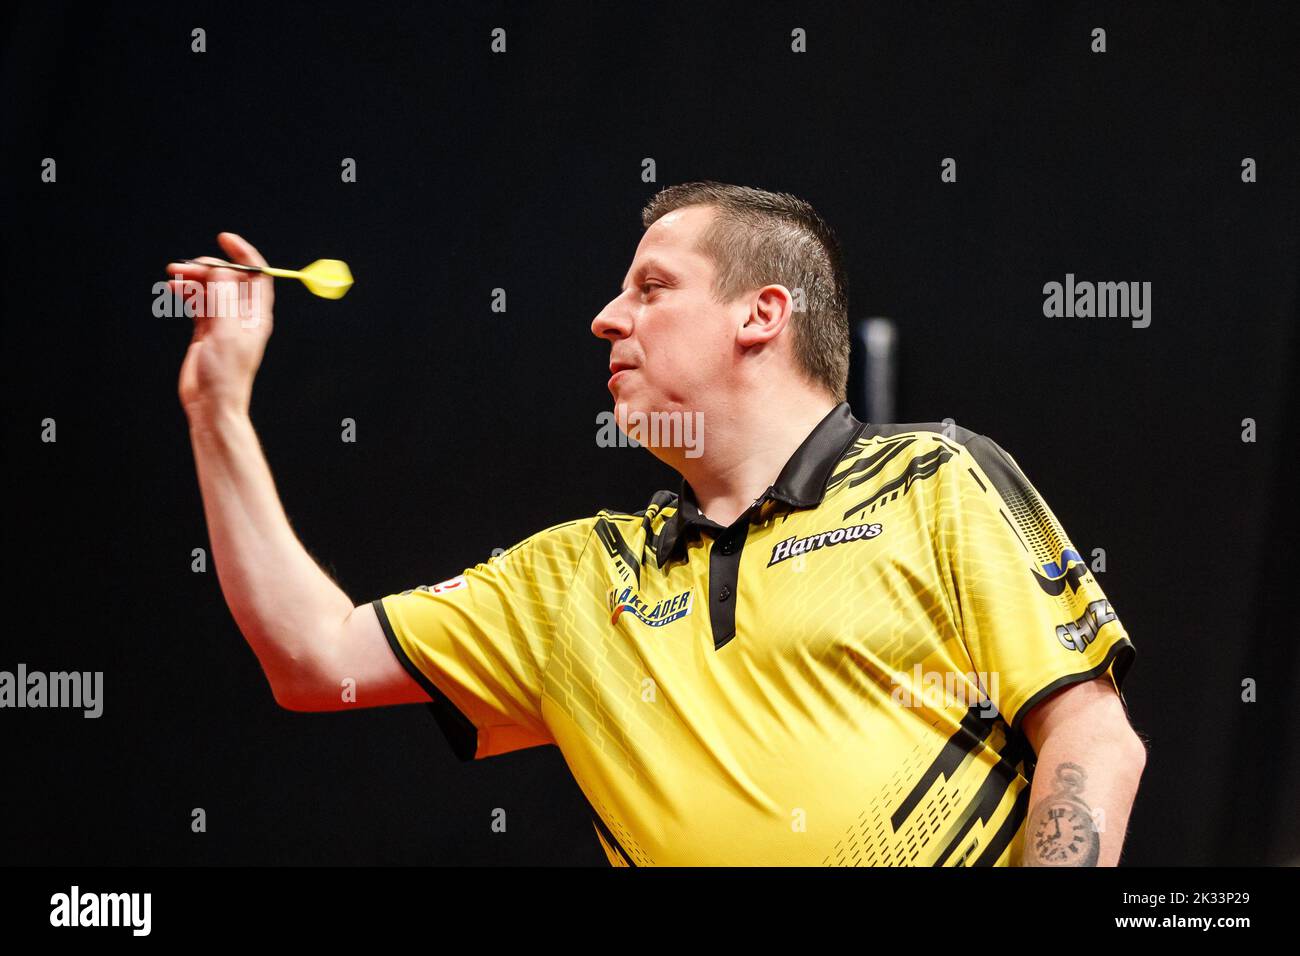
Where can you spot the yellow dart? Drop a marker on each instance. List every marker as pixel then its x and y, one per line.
pixel 327 278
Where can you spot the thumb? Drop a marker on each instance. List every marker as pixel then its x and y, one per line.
pixel 240 250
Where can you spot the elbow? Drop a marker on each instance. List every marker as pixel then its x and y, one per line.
pixel 1132 748
pixel 288 669
pixel 299 676
pixel 298 705
pixel 1141 751
pixel 292 693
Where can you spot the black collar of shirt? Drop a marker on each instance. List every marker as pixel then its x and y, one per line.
pixel 801 483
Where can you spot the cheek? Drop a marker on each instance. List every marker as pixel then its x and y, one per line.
pixel 697 365
pixel 689 349
pixel 710 345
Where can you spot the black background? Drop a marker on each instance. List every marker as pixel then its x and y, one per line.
pixel 523 171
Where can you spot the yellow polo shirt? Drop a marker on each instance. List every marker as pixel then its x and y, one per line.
pixel 836 678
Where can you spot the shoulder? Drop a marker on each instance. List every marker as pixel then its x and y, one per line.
pixel 563 538
pixel 925 436
pixel 568 535
pixel 567 539
pixel 946 433
pixel 926 447
pixel 661 505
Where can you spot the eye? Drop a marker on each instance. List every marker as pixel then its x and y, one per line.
pixel 648 286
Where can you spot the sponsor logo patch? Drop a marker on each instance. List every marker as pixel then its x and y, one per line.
pixel 626 600
pixel 451 584
pixel 1077 635
pixel 1069 570
pixel 793 547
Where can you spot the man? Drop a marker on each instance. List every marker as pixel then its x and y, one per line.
pixel 838 643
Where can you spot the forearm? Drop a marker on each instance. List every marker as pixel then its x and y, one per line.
pixel 285 605
pixel 1083 790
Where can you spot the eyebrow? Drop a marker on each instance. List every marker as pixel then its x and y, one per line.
pixel 645 267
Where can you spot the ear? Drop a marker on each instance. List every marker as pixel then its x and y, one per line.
pixel 769 315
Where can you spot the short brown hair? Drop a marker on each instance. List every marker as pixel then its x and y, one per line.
pixel 760 237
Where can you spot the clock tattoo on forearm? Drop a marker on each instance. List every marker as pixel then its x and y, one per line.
pixel 1061 831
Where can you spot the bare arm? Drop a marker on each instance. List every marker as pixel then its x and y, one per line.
pixel 1089 764
pixel 299 623
pixel 286 607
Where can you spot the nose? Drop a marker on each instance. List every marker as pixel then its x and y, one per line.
pixel 612 323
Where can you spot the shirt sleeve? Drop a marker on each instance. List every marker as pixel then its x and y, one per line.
pixel 1033 616
pixel 478 643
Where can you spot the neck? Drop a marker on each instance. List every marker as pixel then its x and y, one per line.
pixel 746 444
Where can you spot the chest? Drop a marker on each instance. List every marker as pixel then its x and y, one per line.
pixel 797 590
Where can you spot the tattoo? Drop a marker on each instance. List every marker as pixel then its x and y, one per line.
pixel 1061 831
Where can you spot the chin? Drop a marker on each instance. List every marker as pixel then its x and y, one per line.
pixel 625 405
pixel 622 409
pixel 626 413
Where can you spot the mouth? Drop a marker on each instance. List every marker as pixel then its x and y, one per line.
pixel 617 370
